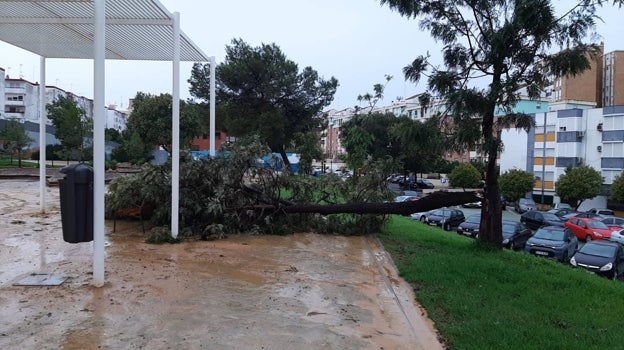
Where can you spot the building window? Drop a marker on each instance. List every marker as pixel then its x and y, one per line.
pixel 217 136
pixel 204 136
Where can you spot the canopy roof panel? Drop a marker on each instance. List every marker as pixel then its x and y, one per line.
pixel 135 30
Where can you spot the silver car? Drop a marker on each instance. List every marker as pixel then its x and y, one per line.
pixel 524 205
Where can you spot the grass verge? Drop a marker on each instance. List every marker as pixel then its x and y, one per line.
pixel 8 163
pixel 481 298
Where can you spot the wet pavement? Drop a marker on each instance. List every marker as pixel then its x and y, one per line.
pixel 302 291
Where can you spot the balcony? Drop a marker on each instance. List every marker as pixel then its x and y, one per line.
pixel 15 90
pixel 14 103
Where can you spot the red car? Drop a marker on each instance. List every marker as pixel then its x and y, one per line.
pixel 588 229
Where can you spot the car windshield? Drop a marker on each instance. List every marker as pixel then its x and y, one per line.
pixel 597 225
pixel 551 217
pixel 473 219
pixel 551 235
pixel 603 250
pixel 527 201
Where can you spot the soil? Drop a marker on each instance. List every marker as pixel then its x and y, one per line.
pixel 302 291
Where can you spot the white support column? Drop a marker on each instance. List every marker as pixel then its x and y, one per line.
pixel 42 134
pixel 175 129
pixel 212 106
pixel 98 141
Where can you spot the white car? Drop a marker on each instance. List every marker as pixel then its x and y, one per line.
pixel 617 236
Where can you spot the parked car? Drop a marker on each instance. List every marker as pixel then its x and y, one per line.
pixel 562 206
pixel 603 258
pixel 601 211
pixel 535 219
pixel 415 184
pixel 588 229
pixel 583 215
pixel 446 218
pixel 614 223
pixel 410 193
pixel 524 205
pixel 562 212
pixel 470 226
pixel 555 242
pixel 617 236
pixel 421 216
pixel 472 205
pixel 515 234
pixel 405 198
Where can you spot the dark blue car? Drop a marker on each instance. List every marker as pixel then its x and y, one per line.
pixel 603 258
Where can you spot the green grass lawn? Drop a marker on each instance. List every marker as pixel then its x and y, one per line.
pixel 481 298
pixel 7 163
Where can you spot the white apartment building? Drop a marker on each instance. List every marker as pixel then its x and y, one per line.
pixel 19 99
pixel 568 135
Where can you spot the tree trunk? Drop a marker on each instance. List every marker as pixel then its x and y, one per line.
pixel 434 200
pixel 287 166
pixel 491 228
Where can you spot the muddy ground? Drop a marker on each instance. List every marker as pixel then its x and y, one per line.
pixel 303 291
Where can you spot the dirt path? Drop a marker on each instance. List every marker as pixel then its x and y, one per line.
pixel 303 291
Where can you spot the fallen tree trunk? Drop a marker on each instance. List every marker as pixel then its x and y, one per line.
pixel 434 200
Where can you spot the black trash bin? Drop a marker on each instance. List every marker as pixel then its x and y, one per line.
pixel 76 190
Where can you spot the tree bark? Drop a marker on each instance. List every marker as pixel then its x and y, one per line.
pixel 434 200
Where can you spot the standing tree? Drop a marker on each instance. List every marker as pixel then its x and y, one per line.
pixel 309 150
pixel 578 184
pixel 617 189
pixel 515 184
pixel 376 96
pixel 509 45
pixel 421 143
pixel 151 120
pixel 260 91
pixel 15 139
pixel 71 123
pixel 464 175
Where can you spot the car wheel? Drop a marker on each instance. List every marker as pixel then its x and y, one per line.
pixel 615 274
pixel 564 258
pixel 447 227
pixel 423 219
pixel 512 245
pixel 588 239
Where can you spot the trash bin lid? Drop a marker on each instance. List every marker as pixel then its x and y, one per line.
pixel 80 172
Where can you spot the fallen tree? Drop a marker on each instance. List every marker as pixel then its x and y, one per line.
pixel 232 194
pixel 431 201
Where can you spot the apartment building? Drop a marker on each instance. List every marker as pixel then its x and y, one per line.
pixel 613 79
pixel 19 100
pixel 568 135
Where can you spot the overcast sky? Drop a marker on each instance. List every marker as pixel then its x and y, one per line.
pixel 356 41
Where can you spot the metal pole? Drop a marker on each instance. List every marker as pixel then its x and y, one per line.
pixel 98 142
pixel 212 105
pixel 544 158
pixel 175 147
pixel 42 134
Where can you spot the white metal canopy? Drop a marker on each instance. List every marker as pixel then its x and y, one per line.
pixel 99 30
pixel 135 30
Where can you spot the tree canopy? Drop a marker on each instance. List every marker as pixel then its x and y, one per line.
pixel 515 184
pixel 260 91
pixel 151 120
pixel 578 184
pixel 507 45
pixel 15 139
pixel 465 175
pixel 72 125
pixel 617 189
